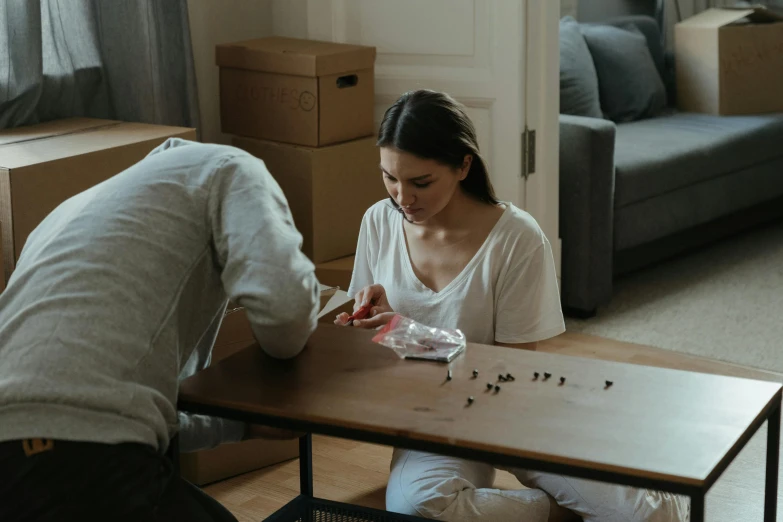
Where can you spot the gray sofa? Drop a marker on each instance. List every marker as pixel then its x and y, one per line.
pixel 634 193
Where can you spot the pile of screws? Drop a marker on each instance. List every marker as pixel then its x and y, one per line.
pixel 508 378
pixel 501 378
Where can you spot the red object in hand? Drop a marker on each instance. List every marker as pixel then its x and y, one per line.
pixel 361 313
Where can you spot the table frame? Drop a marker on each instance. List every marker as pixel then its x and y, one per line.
pixel 771 414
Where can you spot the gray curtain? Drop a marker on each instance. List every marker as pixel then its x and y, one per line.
pixel 128 60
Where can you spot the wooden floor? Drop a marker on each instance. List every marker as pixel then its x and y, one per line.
pixel 356 473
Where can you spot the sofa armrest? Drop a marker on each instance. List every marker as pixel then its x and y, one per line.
pixel 586 211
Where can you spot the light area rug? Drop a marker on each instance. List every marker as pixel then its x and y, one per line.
pixel 724 302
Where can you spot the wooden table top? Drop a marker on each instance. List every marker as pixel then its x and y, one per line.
pixel 671 426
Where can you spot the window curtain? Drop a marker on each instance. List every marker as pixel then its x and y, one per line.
pixel 128 60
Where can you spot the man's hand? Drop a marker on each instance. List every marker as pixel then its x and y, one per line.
pixel 380 314
pixel 256 431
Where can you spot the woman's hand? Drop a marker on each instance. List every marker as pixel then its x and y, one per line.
pixel 380 313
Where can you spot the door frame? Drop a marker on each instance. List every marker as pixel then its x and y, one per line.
pixel 542 112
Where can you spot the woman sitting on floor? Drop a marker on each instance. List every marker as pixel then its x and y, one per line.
pixel 445 252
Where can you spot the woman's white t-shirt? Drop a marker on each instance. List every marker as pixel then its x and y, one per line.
pixel 507 293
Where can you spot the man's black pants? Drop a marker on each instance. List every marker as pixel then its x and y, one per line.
pixel 43 480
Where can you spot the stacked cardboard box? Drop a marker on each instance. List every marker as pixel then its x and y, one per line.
pixel 43 165
pixel 730 61
pixel 336 273
pixel 307 109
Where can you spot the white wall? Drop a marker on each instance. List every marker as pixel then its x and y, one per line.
pixel 289 18
pixel 213 22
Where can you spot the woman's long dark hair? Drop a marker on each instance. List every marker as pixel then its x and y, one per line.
pixel 432 125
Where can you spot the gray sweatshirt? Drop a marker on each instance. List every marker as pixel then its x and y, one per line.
pixel 120 292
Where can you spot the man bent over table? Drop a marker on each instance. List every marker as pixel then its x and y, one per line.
pixel 118 294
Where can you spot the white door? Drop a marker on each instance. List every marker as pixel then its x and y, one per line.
pixel 475 50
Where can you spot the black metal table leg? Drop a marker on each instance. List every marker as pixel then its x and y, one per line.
pixel 697 507
pixel 773 458
pixel 306 465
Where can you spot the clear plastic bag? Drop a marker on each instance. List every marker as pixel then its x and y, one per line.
pixel 412 340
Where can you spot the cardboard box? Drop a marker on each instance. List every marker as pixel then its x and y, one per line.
pixel 328 190
pixel 304 92
pixel 730 61
pixel 336 273
pixel 43 165
pixel 228 460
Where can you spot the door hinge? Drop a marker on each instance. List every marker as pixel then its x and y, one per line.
pixel 528 152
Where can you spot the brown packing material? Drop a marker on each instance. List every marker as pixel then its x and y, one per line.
pixel 328 190
pixel 43 165
pixel 228 460
pixel 304 92
pixel 729 62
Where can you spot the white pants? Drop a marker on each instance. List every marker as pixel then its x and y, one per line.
pixel 451 489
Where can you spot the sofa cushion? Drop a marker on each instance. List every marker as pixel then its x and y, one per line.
pixel 578 79
pixel 649 28
pixel 629 81
pixel 663 154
